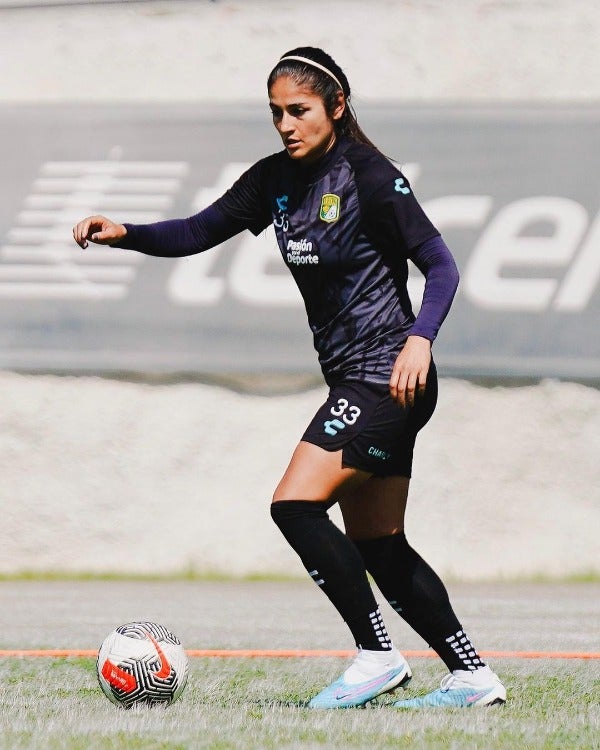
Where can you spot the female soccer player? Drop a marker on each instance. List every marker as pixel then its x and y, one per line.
pixel 346 222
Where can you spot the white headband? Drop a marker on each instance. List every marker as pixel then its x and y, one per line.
pixel 314 64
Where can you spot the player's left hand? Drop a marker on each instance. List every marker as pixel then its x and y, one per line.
pixel 409 373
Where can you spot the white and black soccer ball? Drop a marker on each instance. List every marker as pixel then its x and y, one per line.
pixel 142 663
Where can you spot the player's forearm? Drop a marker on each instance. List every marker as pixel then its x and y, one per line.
pixel 176 238
pixel 435 261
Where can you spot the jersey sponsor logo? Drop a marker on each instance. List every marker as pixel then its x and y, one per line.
pixel 330 208
pixel 400 186
pixel 299 253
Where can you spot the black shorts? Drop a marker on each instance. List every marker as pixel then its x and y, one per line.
pixel 374 433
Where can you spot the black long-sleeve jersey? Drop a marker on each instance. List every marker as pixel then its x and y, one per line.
pixel 345 228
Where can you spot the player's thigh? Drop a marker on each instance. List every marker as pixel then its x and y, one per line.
pixel 376 508
pixel 317 474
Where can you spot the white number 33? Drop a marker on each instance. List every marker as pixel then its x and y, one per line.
pixel 349 414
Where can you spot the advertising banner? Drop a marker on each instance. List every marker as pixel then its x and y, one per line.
pixel 515 192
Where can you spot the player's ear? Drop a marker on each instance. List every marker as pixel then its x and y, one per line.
pixel 339 107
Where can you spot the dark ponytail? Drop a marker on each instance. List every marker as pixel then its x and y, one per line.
pixel 323 85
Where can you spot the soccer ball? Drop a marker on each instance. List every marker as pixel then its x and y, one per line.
pixel 142 663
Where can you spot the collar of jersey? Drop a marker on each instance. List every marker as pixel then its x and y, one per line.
pixel 311 173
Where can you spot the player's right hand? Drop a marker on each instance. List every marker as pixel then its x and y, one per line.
pixel 409 374
pixel 98 229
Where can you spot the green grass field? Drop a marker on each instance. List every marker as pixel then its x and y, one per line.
pixel 259 703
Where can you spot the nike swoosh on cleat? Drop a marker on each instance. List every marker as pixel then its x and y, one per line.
pixel 477 696
pixel 165 667
pixel 361 687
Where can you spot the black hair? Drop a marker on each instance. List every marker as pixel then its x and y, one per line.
pixel 323 85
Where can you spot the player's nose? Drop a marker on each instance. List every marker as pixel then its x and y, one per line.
pixel 286 124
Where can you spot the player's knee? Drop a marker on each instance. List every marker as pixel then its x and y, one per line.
pixel 289 514
pixel 283 512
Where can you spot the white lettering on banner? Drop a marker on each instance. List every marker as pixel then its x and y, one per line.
pixel 583 276
pixel 504 244
pixel 190 283
pixel 41 260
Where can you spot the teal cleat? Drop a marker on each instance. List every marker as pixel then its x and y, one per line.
pixel 342 694
pixel 462 689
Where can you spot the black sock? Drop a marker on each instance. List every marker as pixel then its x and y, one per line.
pixel 335 565
pixel 417 593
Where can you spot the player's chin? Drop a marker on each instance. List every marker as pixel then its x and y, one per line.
pixel 296 153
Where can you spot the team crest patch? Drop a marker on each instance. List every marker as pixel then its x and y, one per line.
pixel 330 208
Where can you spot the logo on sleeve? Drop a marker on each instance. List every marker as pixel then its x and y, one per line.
pixel 330 208
pixel 400 186
pixel 281 219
